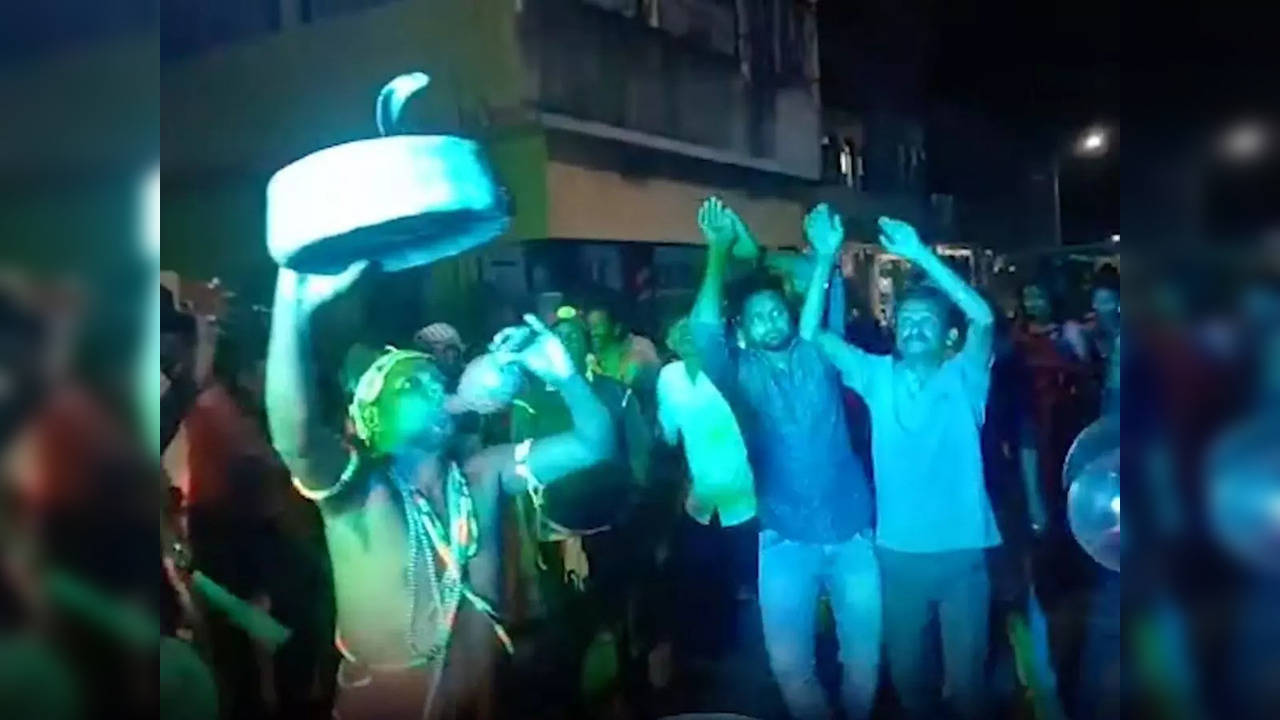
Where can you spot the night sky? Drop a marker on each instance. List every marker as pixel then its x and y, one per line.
pixel 1164 78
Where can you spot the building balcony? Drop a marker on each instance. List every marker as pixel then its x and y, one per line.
pixel 598 73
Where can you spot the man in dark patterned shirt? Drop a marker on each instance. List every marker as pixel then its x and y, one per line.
pixel 814 496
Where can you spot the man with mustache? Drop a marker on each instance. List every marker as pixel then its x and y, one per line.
pixel 934 522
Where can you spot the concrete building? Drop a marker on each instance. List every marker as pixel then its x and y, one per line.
pixel 608 120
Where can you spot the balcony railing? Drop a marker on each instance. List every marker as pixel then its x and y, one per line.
pixel 600 67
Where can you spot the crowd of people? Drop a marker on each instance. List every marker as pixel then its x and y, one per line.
pixel 572 520
pixel 579 538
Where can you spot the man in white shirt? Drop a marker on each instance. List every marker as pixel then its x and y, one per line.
pixel 934 519
pixel 690 405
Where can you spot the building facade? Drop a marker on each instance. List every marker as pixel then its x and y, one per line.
pixel 608 120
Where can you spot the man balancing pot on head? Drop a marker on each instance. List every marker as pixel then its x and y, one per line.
pixel 813 494
pixel 934 521
pixel 413 537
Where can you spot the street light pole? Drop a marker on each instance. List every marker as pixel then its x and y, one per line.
pixel 1092 144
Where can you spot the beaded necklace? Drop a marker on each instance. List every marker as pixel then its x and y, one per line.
pixel 445 588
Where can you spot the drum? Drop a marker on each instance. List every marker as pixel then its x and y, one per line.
pixel 400 200
pixel 591 500
pixel 1091 473
pixel 597 497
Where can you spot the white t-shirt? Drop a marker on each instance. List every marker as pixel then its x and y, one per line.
pixel 712 444
pixel 926 449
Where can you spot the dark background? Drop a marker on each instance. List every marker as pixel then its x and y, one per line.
pixel 1165 79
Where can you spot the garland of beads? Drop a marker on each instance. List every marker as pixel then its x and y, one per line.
pixel 428 537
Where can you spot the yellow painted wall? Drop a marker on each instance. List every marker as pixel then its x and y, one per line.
pixel 594 204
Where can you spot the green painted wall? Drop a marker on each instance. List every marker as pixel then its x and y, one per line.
pixel 234 116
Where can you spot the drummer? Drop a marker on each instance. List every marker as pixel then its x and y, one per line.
pixel 572 556
pixel 414 538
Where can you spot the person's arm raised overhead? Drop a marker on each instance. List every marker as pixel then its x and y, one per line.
pixel 313 453
pixel 825 232
pixel 721 228
pixel 901 239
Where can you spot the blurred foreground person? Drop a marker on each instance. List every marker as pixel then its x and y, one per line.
pixel 813 492
pixel 81 540
pixel 934 521
pixel 414 537
pixel 1243 478
pixel 252 535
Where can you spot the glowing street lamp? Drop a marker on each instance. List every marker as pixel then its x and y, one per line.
pixel 1093 142
pixel 1245 141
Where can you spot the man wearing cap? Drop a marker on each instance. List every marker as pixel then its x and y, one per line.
pixel 443 343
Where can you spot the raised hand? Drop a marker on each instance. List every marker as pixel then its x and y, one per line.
pixel 534 346
pixel 901 239
pixel 718 223
pixel 824 230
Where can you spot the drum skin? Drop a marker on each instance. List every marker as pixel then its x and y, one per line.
pixel 400 200
pixel 590 500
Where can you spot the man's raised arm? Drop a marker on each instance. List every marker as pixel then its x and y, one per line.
pixel 825 232
pixel 721 228
pixel 589 442
pixel 312 452
pixel 901 239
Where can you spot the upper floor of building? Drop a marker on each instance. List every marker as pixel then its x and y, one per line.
pixel 731 81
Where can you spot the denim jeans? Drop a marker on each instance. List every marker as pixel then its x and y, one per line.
pixel 792 575
pixel 952 588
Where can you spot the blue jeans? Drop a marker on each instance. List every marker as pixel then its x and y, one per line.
pixel 792 575
pixel 953 590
